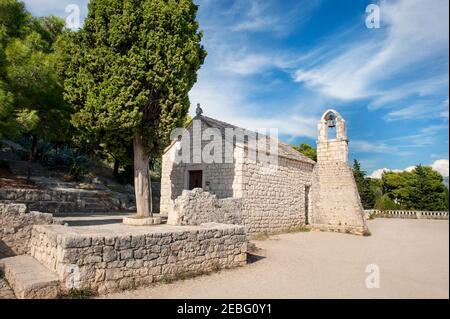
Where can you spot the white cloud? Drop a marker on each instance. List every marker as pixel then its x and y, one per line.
pixel 441 166
pixel 415 31
pixel 257 16
pixel 426 136
pixel 225 98
pixel 247 64
pixel 360 146
pixel 226 85
pixel 379 172
pixel 420 110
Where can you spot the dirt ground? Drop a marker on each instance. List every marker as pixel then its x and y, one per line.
pixel 412 257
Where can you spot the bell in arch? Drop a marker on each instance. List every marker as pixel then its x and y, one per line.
pixel 330 120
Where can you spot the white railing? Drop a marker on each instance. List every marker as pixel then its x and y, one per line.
pixel 371 213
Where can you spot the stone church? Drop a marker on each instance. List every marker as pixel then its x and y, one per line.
pixel 286 192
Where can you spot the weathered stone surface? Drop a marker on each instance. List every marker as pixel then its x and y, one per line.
pixel 62 200
pixel 15 228
pixel 132 256
pixel 5 290
pixel 29 279
pixel 245 192
pixel 139 221
pixel 335 203
pixel 197 207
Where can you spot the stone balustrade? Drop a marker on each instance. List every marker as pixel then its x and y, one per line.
pixel 407 214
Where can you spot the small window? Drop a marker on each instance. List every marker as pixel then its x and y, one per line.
pixel 195 179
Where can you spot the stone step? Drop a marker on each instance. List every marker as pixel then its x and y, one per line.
pixel 29 279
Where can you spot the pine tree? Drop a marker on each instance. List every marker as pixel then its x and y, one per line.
pixel 365 191
pixel 307 150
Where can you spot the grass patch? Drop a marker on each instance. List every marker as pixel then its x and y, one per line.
pixel 85 293
pixel 266 235
pixel 260 236
pixel 366 233
pixel 189 274
pixel 117 188
pixel 252 248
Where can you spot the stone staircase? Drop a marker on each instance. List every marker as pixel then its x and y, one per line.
pixel 29 279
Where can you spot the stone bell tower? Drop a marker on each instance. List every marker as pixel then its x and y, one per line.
pixel 335 203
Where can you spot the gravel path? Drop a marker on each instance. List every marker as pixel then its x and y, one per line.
pixel 412 255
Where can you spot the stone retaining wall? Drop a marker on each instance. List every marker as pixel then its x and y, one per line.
pixel 113 257
pixel 64 200
pixel 16 223
pixel 406 214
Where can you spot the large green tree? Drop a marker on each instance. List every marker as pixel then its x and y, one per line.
pixel 128 73
pixel 419 189
pixel 364 186
pixel 31 95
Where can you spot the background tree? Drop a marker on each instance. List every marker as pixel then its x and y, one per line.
pixel 128 72
pixel 35 99
pixel 419 189
pixel 8 123
pixel 428 191
pixel 307 150
pixel 365 190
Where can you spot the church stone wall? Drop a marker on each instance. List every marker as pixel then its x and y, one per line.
pixel 270 202
pixel 275 201
pixel 220 179
pixel 271 199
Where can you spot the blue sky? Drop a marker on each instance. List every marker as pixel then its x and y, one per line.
pixel 283 63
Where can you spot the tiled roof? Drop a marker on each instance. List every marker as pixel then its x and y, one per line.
pixel 284 150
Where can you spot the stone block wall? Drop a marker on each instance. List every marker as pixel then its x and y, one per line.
pixel 271 201
pixel 275 201
pixel 332 150
pixel 198 206
pixel 109 258
pixel 16 223
pixel 264 198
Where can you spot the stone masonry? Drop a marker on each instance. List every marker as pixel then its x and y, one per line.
pixel 16 223
pixel 197 207
pixel 62 200
pixel 267 198
pixel 108 258
pixel 335 203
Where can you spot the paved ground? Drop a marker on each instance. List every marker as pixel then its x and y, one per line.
pixel 412 255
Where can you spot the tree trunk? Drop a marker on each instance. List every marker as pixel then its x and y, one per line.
pixel 31 157
pixel 142 185
pixel 116 168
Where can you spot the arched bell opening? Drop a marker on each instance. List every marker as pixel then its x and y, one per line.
pixel 330 124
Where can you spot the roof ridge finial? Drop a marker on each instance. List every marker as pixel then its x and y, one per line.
pixel 198 110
